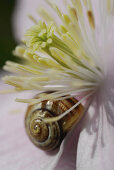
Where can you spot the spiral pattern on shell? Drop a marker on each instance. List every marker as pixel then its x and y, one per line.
pixel 48 136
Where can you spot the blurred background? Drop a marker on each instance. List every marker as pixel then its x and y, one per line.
pixel 7 40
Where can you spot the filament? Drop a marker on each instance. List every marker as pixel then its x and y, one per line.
pixel 57 118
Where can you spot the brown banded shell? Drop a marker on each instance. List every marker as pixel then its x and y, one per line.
pixel 48 136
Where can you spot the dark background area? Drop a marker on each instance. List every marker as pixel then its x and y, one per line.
pixel 7 41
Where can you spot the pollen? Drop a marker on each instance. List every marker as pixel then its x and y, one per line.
pixel 91 19
pixel 74 13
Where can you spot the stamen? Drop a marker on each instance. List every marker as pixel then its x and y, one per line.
pixel 32 19
pixel 25 100
pixel 57 118
pixel 8 91
pixel 64 60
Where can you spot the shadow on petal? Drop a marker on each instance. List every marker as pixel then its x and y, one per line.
pixel 68 150
pixel 96 141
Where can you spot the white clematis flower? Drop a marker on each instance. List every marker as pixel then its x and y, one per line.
pixel 77 57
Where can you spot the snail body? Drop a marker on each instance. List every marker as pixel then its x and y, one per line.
pixel 47 136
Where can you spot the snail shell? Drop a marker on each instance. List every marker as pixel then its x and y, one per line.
pixel 47 136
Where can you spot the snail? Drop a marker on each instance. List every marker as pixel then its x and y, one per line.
pixel 48 136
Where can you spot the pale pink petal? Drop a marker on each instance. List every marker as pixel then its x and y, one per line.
pixel 21 22
pixel 67 160
pixel 17 152
pixel 96 142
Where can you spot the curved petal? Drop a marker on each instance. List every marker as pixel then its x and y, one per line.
pixel 20 20
pixel 68 148
pixel 96 142
pixel 17 152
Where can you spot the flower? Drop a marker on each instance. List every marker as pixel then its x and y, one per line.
pixel 75 58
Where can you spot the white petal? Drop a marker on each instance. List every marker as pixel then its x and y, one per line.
pixel 67 160
pixel 17 152
pixel 96 142
pixel 21 21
